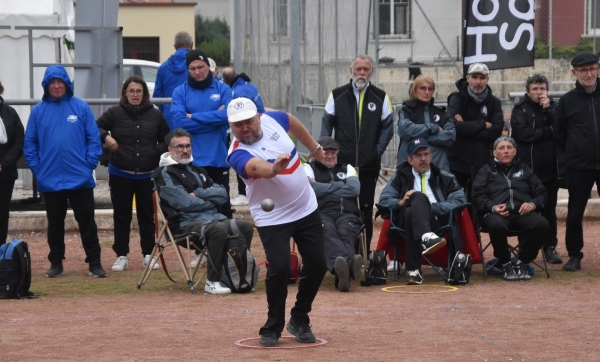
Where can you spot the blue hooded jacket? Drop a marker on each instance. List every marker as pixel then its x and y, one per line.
pixel 242 88
pixel 170 75
pixel 62 141
pixel 208 124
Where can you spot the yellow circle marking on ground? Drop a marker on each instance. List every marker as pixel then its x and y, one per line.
pixel 445 289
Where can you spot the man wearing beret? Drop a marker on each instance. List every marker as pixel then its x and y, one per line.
pixel 198 106
pixel 577 133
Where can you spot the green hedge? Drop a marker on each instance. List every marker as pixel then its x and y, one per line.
pixel 566 52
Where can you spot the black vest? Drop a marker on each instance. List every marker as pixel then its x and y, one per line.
pixel 330 204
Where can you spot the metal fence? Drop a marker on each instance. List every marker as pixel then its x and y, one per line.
pixel 332 32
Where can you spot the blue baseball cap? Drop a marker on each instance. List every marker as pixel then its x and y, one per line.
pixel 415 144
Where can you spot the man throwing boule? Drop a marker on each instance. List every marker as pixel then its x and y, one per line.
pixel 267 160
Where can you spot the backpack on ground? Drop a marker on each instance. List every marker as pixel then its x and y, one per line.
pixel 15 270
pixel 240 273
pixel 376 273
pixel 460 270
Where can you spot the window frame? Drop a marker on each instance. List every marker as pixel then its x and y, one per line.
pixel 393 4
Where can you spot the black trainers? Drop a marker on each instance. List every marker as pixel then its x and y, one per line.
pixel 414 277
pixel 96 271
pixel 357 263
pixel 343 273
pixel 301 330
pixel 432 243
pixel 522 271
pixel 56 269
pixel 509 272
pixel 269 339
pixel 573 264
pixel 552 256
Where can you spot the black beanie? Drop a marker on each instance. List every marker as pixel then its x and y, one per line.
pixel 196 55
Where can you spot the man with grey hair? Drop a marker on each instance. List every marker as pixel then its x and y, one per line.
pixel 577 133
pixel 478 119
pixel 173 72
pixel 511 206
pixel 361 116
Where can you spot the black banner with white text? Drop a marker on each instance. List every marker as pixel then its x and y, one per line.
pixel 499 33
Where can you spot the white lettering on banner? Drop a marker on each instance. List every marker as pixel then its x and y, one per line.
pixel 513 44
pixel 478 57
pixel 484 18
pixel 525 16
pixel 480 31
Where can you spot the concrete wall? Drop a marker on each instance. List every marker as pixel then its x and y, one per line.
pixel 161 20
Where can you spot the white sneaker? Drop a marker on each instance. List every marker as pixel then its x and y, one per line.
pixel 391 266
pixel 215 288
pixel 239 201
pixel 120 264
pixel 196 259
pixel 154 264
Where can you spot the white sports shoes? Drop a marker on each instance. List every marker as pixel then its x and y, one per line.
pixel 154 264
pixel 120 264
pixel 197 259
pixel 390 266
pixel 239 201
pixel 215 288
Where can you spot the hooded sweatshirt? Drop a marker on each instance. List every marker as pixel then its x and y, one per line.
pixel 62 141
pixel 171 74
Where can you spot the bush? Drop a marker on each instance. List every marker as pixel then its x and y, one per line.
pixel 218 50
pixel 566 52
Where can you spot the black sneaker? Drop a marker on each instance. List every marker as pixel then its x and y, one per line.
pixel 522 271
pixel 509 272
pixel 414 277
pixel 552 256
pixel 432 243
pixel 269 339
pixel 56 269
pixel 357 263
pixel 573 264
pixel 96 271
pixel 343 273
pixel 301 330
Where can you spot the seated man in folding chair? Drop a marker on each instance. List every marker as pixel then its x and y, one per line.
pixel 424 195
pixel 507 194
pixel 186 188
pixel 337 188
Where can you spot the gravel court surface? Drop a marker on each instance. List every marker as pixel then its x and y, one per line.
pixel 79 318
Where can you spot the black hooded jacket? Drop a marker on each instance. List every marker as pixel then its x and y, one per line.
pixel 473 144
pixel 11 151
pixel 532 129
pixel 577 127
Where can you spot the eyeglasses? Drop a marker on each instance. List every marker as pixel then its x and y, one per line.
pixel 426 89
pixel 180 148
pixel 135 91
pixel 588 70
pixel 422 155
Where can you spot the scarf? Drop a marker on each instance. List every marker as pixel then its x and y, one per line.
pixel 202 84
pixel 478 98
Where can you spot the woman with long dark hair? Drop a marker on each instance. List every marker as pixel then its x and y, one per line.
pixel 134 131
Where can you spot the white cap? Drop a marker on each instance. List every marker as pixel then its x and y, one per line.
pixel 478 68
pixel 212 65
pixel 241 109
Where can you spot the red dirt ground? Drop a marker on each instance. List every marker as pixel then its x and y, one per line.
pixel 79 318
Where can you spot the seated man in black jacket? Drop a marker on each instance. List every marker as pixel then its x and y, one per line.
pixel 424 195
pixel 337 188
pixel 507 192
pixel 186 188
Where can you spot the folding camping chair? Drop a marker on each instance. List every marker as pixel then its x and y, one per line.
pixel 189 241
pixel 514 251
pixel 466 241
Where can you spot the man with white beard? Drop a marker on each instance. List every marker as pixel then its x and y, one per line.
pixel 361 115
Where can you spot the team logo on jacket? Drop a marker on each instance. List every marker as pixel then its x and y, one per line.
pixel 484 110
pixel 275 136
pixel 436 118
pixel 518 174
pixel 215 97
pixel 341 175
pixel 72 118
pixel 372 106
